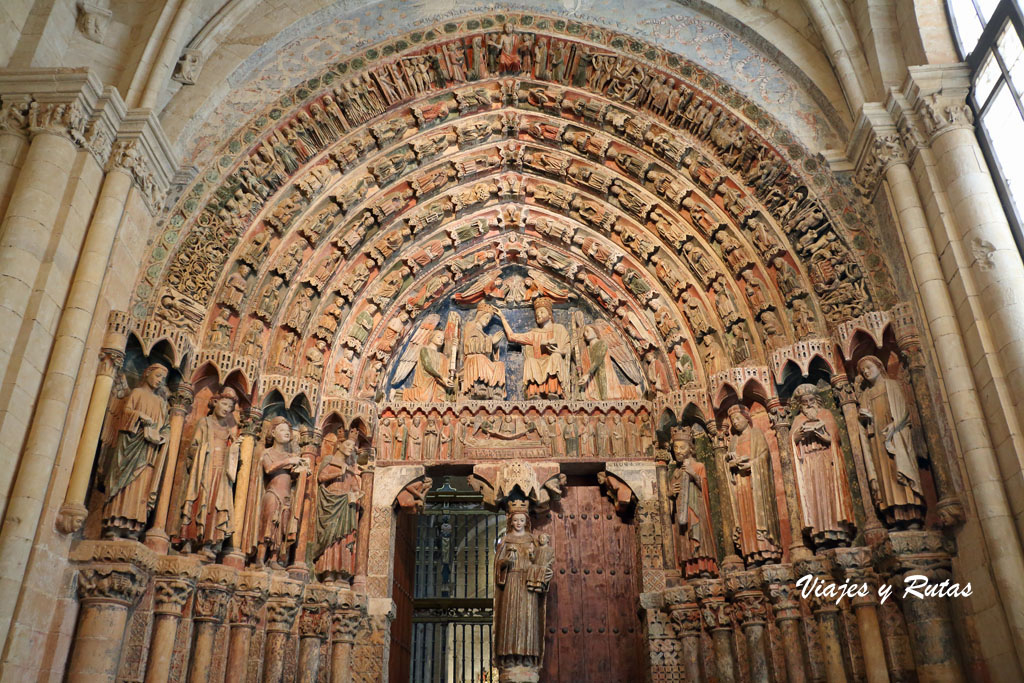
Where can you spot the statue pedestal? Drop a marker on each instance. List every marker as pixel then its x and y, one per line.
pixel 519 672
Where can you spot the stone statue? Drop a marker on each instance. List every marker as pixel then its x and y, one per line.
pixel 545 351
pixel 136 457
pixel 337 515
pixel 820 472
pixel 597 356
pixel 520 586
pixel 430 352
pixel 887 444
pixel 689 487
pixel 275 492
pixel 483 375
pixel 752 489
pixel 206 515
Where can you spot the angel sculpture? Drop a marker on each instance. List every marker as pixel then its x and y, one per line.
pixel 598 351
pixel 432 351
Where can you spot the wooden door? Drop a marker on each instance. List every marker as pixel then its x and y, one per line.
pixel 593 628
pixel 402 592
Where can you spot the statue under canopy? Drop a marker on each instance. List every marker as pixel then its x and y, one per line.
pixel 888 447
pixel 689 487
pixel 206 515
pixel 522 572
pixel 545 353
pixel 337 515
pixel 135 464
pixel 752 491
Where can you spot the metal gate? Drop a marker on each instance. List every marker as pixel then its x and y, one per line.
pixel 453 587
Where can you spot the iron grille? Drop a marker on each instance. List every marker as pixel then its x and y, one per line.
pixel 452 589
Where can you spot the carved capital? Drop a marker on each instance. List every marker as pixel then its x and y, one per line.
pixel 717 613
pixel 14 115
pixel 65 119
pixel 344 625
pixel 110 362
pixel 130 156
pixel 928 553
pixel 855 564
pixel 283 604
pixel 216 584
pixel 119 583
pixel 315 617
pixel 681 603
pixel 942 112
pixel 816 567
pixel 181 400
pixel 748 598
pixel 782 591
pixel 244 607
pixel 173 584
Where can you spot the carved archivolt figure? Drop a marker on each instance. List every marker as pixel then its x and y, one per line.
pixel 483 376
pixel 887 444
pixel 520 585
pixel 206 515
pixel 137 456
pixel 820 472
pixel 278 485
pixel 752 488
pixel 689 487
pixel 337 515
pixel 545 351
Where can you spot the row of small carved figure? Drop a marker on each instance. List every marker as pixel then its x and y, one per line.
pixel 253 506
pixel 446 435
pixel 752 502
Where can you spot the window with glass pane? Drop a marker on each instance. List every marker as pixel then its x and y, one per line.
pixel 988 33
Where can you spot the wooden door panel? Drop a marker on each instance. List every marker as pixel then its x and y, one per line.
pixel 593 631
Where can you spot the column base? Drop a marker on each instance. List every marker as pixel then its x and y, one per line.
pixel 158 541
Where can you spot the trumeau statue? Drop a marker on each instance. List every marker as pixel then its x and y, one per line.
pixel 545 351
pixel 522 572
pixel 752 491
pixel 206 515
pixel 887 444
pixel 276 489
pixel 139 429
pixel 820 472
pixel 337 515
pixel 689 488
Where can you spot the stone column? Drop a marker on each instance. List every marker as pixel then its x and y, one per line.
pixel 847 398
pixel 344 624
pixel 781 421
pixel 243 618
pixel 111 578
pixel 669 536
pixel 684 612
pixel 750 603
pixel 73 512
pixel 173 585
pixel 282 606
pixel 826 614
pixel 314 626
pixel 927 554
pixel 786 608
pixel 950 508
pixel 985 252
pixel 855 564
pixel 310 449
pixel 363 532
pixel 180 406
pixel 251 429
pixel 717 615
pixel 213 593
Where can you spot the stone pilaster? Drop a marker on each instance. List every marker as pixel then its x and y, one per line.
pixel 663 648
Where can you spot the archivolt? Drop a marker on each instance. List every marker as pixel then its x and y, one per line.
pixel 655 193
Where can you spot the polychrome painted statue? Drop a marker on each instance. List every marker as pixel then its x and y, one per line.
pixel 522 572
pixel 136 458
pixel 206 515
pixel 689 486
pixel 337 515
pixel 888 447
pixel 545 353
pixel 752 489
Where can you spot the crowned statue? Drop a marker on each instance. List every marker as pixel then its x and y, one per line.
pixel 546 352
